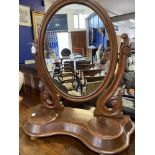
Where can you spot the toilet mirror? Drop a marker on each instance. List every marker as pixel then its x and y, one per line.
pixel 73 35
pixel 77 49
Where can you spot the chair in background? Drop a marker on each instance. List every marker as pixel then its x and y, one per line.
pixel 92 83
pixel 66 73
pixel 82 67
pixel 65 52
pixel 68 63
pixel 67 78
pixel 88 73
pixel 94 78
pixel 77 50
pixel 91 86
pixel 57 67
pixel 81 62
pixel 86 66
pixel 96 72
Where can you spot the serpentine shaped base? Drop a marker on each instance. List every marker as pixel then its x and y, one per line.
pixel 102 135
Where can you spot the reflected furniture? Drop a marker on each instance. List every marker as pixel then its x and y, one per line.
pixel 65 52
pixel 78 50
pixel 79 41
pixel 31 78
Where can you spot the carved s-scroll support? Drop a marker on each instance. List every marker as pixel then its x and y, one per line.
pixel 115 111
pixel 51 102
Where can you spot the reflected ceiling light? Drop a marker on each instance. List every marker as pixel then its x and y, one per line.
pixel 131 20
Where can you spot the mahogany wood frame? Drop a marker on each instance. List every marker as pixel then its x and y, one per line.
pixel 106 130
pixel 43 72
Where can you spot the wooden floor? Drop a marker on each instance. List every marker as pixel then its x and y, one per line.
pixel 54 145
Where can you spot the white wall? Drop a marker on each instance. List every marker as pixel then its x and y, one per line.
pixel 70 11
pixel 132 33
pixel 70 20
pixel 125 29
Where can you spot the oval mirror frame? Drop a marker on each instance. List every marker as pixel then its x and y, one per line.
pixel 41 65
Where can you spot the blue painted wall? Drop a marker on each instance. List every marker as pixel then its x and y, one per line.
pixel 26 33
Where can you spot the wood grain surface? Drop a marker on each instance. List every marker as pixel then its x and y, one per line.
pixel 54 145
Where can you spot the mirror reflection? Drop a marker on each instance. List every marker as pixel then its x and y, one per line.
pixel 77 50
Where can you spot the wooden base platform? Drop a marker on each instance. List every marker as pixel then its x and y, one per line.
pixel 101 135
pixel 52 145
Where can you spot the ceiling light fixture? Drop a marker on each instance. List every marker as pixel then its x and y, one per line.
pixel 131 20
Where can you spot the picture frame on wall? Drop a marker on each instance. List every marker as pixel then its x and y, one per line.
pixel 36 19
pixel 24 16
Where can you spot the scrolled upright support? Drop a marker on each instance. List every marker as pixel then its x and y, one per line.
pixel 51 102
pixel 115 111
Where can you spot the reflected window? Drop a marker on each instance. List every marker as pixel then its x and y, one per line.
pixel 82 21
pixel 76 21
pixel 63 39
pixel 79 21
